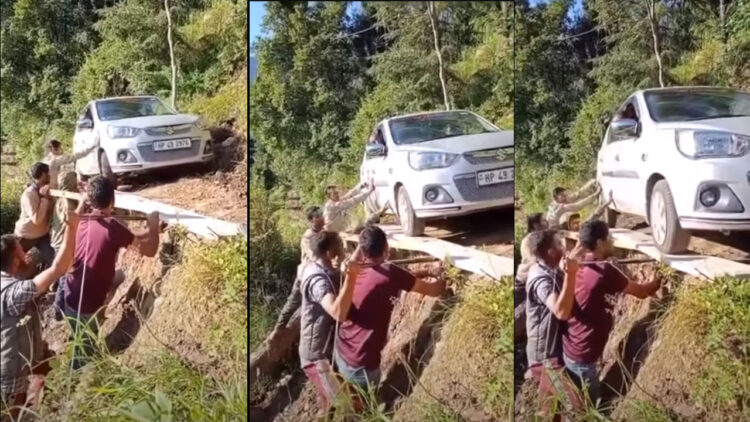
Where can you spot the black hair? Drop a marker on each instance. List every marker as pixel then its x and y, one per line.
pixel 53 143
pixel 321 243
pixel 541 241
pixel 101 192
pixel 574 215
pixel 533 220
pixel 591 232
pixel 7 249
pixel 372 241
pixel 313 212
pixel 38 170
pixel 558 190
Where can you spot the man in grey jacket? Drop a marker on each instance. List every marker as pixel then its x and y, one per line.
pixel 323 306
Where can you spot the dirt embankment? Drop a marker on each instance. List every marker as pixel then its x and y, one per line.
pixel 439 361
pixel 675 356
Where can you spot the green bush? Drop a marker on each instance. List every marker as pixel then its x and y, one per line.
pixel 10 200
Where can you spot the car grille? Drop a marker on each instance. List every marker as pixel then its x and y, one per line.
pixel 149 155
pixel 470 191
pixel 168 130
pixel 489 156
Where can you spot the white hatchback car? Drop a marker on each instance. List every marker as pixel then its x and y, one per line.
pixel 436 165
pixel 680 158
pixel 137 134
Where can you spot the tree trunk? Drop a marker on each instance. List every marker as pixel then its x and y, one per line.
pixel 432 12
pixel 723 21
pixel 171 53
pixel 654 22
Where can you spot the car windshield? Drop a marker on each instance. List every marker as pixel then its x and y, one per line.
pixel 126 108
pixel 428 127
pixel 687 105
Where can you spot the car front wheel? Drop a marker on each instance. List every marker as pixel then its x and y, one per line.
pixel 668 235
pixel 411 225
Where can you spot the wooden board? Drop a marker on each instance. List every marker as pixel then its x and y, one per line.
pixel 201 225
pixel 465 258
pixel 696 265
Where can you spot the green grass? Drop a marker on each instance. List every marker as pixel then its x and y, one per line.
pixel 10 197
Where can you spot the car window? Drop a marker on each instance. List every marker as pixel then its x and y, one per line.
pixel 86 113
pixel 696 104
pixel 126 108
pixel 431 126
pixel 628 110
pixel 376 137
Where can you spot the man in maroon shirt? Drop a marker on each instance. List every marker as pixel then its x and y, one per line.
pixel 362 338
pixel 98 243
pixel 596 292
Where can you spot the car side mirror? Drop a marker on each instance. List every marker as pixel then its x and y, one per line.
pixel 375 150
pixel 624 128
pixel 85 124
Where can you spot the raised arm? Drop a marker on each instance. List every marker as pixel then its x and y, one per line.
pixel 561 305
pixel 577 206
pixel 72 158
pixel 354 200
pixel 577 194
pixel 642 291
pixel 338 306
pixel 147 242
pixel 64 259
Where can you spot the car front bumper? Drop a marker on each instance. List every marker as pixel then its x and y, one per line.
pixel 143 157
pixel 734 181
pixel 467 195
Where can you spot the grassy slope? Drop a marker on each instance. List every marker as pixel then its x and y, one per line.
pixel 699 368
pixel 203 303
pixel 469 376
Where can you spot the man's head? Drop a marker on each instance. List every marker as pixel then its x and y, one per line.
pixel 373 243
pixel 574 222
pixel 560 194
pixel 315 218
pixel 101 193
pixel 54 147
pixel 11 254
pixel 323 245
pixel 39 173
pixel 535 222
pixel 594 237
pixel 332 193
pixel 545 245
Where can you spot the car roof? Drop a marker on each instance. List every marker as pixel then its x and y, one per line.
pixel 425 113
pixel 688 88
pixel 124 97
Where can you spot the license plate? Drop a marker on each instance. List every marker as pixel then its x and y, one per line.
pixel 172 144
pixel 492 177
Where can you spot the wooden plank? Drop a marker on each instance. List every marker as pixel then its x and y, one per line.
pixel 696 265
pixel 465 258
pixel 201 225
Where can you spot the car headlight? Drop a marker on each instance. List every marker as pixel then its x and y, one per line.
pixel 201 124
pixel 711 144
pixel 122 131
pixel 431 160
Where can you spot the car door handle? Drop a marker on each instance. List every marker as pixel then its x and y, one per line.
pixel 617 157
pixel 644 157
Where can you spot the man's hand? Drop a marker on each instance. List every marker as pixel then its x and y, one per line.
pixel 83 204
pixel 44 191
pixel 153 220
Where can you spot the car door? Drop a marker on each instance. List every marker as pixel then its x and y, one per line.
pixel 84 137
pixel 630 152
pixel 373 169
pixel 618 176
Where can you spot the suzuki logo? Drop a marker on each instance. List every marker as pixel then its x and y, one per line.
pixel 170 131
pixel 500 154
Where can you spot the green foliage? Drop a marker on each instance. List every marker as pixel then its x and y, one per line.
pixel 326 78
pixel 57 57
pixel 10 200
pixel 573 72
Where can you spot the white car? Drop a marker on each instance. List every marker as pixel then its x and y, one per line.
pixel 137 134
pixel 680 158
pixel 436 165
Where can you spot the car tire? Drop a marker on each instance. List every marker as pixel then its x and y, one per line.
pixel 666 231
pixel 411 225
pixel 371 204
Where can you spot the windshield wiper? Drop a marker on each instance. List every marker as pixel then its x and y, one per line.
pixel 720 116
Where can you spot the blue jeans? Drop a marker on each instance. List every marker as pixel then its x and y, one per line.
pixel 584 373
pixel 357 375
